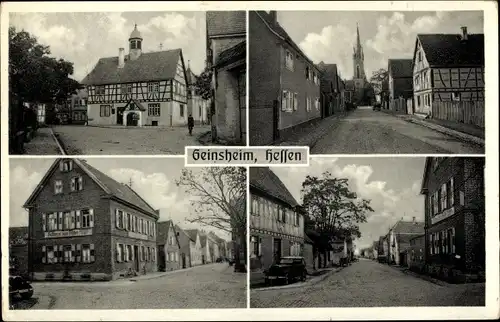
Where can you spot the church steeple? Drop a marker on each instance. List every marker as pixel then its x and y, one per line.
pixel 358 42
pixel 358 58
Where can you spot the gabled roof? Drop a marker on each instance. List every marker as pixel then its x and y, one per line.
pixel 192 233
pixel 265 180
pixel 154 66
pixel 408 227
pixel 163 229
pixel 449 49
pixel 400 68
pixel 405 239
pixel 328 73
pixel 232 54
pixel 281 33
pixel 112 187
pixel 180 230
pixel 423 186
pixel 222 23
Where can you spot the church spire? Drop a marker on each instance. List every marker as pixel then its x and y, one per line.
pixel 358 42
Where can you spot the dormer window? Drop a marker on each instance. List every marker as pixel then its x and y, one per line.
pixel 66 165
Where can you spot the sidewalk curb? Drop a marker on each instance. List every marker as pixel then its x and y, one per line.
pixel 438 128
pixel 146 277
pixel 311 282
pixel 59 144
pixel 420 276
pixel 442 129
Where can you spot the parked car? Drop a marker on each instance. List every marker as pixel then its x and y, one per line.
pixel 288 269
pixel 20 287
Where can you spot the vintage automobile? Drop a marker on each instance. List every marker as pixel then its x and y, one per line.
pixel 287 269
pixel 20 287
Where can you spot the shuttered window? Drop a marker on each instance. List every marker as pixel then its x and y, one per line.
pixel 118 253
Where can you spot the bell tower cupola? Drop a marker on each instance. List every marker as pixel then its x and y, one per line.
pixel 135 44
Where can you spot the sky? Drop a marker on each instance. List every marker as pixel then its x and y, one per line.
pixel 392 185
pixel 152 178
pixel 83 38
pixel 329 36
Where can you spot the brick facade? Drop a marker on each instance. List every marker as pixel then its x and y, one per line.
pixel 96 240
pixel 458 228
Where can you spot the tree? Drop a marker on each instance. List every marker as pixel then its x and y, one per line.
pixel 203 84
pixel 219 200
pixel 378 78
pixel 34 76
pixel 334 211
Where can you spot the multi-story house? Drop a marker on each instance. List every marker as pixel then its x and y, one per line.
pixel 196 106
pixel 399 239
pixel 332 100
pixel 139 88
pixel 226 55
pixel 169 249
pixel 85 225
pixel 78 106
pixel 184 247
pixel 195 247
pixel 447 68
pixel 383 249
pixel 276 225
pixel 206 247
pixel 400 81
pixel 454 214
pixel 416 253
pixel 284 82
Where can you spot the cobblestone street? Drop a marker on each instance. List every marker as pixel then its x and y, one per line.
pixel 367 131
pixel 127 140
pixel 206 286
pixel 367 284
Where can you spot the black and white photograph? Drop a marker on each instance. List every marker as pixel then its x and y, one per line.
pixel 84 83
pixel 107 233
pixel 363 82
pixel 368 232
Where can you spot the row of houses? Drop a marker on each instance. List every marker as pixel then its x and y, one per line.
pixel 287 89
pixel 450 242
pixel 444 80
pixel 84 225
pixel 277 228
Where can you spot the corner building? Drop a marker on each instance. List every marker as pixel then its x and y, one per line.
pixel 84 225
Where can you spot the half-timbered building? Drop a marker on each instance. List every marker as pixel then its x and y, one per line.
pixel 276 223
pixel 447 68
pixel 139 88
pixel 84 225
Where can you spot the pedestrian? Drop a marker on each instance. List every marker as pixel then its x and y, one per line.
pixel 190 124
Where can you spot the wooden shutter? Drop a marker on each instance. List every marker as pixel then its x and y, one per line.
pixel 44 254
pixel 132 251
pixel 59 220
pixel 452 193
pixel 78 219
pixel 73 181
pixel 117 218
pixel 80 181
pixel 92 253
pixel 125 250
pixel 118 253
pixel 73 253
pixel 44 222
pixel 73 219
pixel 91 217
pixel 78 252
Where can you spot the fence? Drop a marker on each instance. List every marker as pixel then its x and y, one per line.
pixel 398 105
pixel 468 112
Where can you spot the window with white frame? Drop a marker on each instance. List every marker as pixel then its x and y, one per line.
pixel 129 251
pixel 86 253
pixel 289 60
pixel 52 222
pixel 308 104
pixel 153 87
pixel 316 103
pixel 87 218
pixel 50 255
pixel 68 254
pixel 119 218
pixel 58 187
pixel 255 242
pixel 154 109
pixel 66 165
pixel 455 96
pixel 99 90
pixel 76 184
pixel 254 207
pixel 105 110
pixel 288 101
pixel 296 219
pixel 295 101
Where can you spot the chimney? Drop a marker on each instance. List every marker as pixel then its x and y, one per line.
pixel 121 57
pixel 464 33
pixel 274 17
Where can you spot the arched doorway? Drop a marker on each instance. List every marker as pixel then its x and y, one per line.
pixel 132 119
